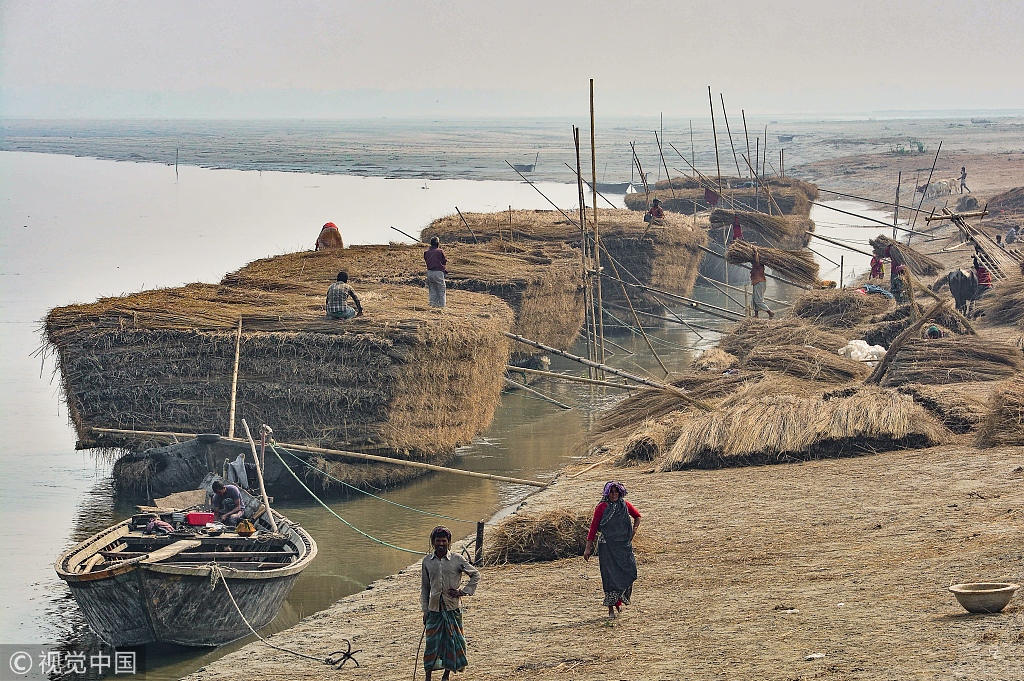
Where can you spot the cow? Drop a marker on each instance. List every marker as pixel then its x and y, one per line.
pixel 939 188
pixel 963 285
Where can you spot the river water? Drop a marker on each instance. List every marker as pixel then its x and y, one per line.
pixel 74 229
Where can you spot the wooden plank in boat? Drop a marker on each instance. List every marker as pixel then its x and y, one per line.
pixel 172 550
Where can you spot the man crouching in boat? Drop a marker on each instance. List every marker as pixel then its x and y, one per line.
pixel 441 590
pixel 227 504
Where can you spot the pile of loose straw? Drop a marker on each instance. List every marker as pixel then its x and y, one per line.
pixel 1004 422
pixel 953 360
pixel 806 363
pixel 530 537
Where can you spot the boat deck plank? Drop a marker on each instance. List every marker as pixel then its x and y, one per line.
pixel 172 550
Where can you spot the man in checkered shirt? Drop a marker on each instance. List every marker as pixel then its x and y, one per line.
pixel 337 295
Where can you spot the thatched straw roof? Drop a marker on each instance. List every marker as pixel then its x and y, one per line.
pixel 542 283
pixel 752 333
pixel 840 308
pixel 532 537
pixel 1004 420
pixel 1004 304
pixel 787 427
pixel 403 377
pixel 783 231
pixel 953 360
pixel 805 362
pixel 902 254
pixel 798 266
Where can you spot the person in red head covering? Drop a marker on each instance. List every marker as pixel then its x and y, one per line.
pixel 329 237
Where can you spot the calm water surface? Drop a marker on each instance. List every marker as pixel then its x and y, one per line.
pixel 75 229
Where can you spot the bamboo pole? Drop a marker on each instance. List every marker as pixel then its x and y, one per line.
pixel 677 320
pixel 729 130
pixel 764 159
pixel 895 346
pixel 546 398
pixel 417 240
pixel 475 240
pixel 693 157
pixel 234 379
pixel 896 205
pixel 667 176
pixel 714 134
pixel 640 169
pixel 612 370
pixel 866 199
pixel 744 290
pixel 706 308
pixel 575 379
pixel 771 201
pixel 597 233
pixel 747 137
pixel 770 276
pixel 588 310
pixel 637 319
pixel 921 202
pixel 259 476
pixel 934 296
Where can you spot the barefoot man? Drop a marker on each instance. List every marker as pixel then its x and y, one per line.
pixel 441 591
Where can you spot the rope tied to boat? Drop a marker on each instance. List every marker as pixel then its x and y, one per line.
pixel 337 659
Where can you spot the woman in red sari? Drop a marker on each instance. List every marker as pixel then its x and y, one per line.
pixel 618 564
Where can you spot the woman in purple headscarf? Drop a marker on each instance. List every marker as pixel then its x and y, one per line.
pixel 618 564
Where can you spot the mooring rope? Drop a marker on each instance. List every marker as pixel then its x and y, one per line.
pixel 370 494
pixel 331 510
pixel 218 573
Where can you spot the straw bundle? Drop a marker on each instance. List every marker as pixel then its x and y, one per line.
pixel 792 196
pixel 782 428
pixel 806 362
pixel 1011 201
pixel 884 328
pixel 960 407
pixel 715 359
pixel 532 537
pixel 1004 421
pixel 902 254
pixel 798 266
pixel 840 308
pixel 953 360
pixel 1004 304
pixel 647 443
pixel 777 230
pixel 402 377
pixel 752 333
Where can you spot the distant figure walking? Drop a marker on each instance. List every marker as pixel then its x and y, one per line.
pixel 436 269
pixel 760 283
pixel 441 592
pixel 963 180
pixel 877 268
pixel 329 237
pixel 337 299
pixel 737 230
pixel 618 564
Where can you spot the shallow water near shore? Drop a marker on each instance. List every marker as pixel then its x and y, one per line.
pixel 75 229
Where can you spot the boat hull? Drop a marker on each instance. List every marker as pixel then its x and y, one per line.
pixel 114 609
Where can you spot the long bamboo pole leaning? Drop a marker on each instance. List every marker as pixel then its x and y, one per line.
pixel 729 130
pixel 706 308
pixel 234 379
pixel 612 370
pixel 745 134
pixel 894 347
pixel 259 477
pixel 588 310
pixel 597 233
pixel 714 134
pixel 930 172
pixel 575 379
pixel 465 222
pixel 533 391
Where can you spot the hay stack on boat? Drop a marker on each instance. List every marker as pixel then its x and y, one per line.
pixel 541 283
pixel 840 308
pixel 805 362
pixel 1004 304
pixel 953 360
pixel 786 427
pixel 902 254
pixel 798 266
pixel 663 256
pixel 532 537
pixel 1004 420
pixel 687 195
pixel 402 378
pixel 781 231
pixel 752 333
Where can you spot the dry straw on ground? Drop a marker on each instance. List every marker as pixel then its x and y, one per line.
pixel 783 231
pixel 840 308
pixel 902 254
pixel 882 329
pixel 647 443
pixel 798 266
pixel 805 362
pixel 752 333
pixel 716 360
pixel 958 406
pixel 1004 304
pixel 789 427
pixel 532 537
pixel 953 360
pixel 403 378
pixel 1004 420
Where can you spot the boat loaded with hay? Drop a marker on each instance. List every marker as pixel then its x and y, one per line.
pixel 195 586
pixel 687 195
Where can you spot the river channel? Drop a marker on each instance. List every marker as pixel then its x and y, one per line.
pixel 75 229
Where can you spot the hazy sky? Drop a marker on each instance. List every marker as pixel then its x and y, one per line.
pixel 515 57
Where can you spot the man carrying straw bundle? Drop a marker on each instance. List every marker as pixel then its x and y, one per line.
pixel 618 564
pixel 441 591
pixel 337 297
pixel 436 269
pixel 760 283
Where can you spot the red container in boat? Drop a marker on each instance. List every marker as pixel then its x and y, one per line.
pixel 197 518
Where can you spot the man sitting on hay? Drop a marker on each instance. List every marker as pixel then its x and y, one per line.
pixel 337 297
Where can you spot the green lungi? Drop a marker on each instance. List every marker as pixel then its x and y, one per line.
pixel 446 645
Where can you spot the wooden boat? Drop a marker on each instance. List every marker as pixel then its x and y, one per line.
pixel 527 167
pixel 135 588
pixel 785 138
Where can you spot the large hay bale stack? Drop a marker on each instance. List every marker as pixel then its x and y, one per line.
pixel 542 283
pixel 752 333
pixel 1011 202
pixel 840 308
pixel 647 443
pixel 959 359
pixel 686 196
pixel 781 231
pixel 402 378
pixel 532 537
pixel 806 363
pixel 1004 420
pixel 664 256
pixel 788 427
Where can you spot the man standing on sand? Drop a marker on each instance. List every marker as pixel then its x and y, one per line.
pixel 436 270
pixel 760 283
pixel 441 591
pixel 963 180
